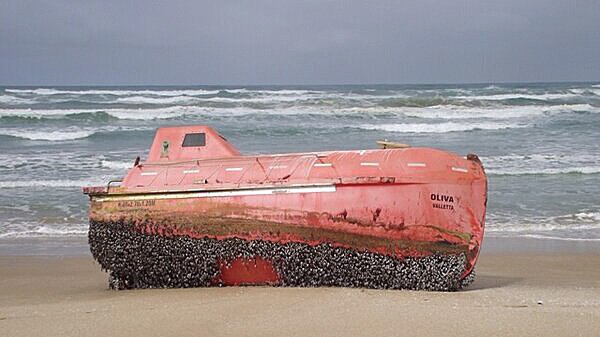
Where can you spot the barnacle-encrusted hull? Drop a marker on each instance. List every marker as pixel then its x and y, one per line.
pixel 138 260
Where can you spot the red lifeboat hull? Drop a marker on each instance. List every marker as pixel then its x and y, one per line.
pixel 391 218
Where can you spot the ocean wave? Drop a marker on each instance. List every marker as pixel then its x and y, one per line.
pixel 7 99
pixel 313 98
pixel 64 134
pixel 342 96
pixel 545 236
pixel 543 171
pixel 574 226
pixel 231 96
pixel 154 100
pixel 512 96
pixel 270 92
pixel 435 112
pixel 528 227
pixel 77 162
pixel 44 113
pixel 133 114
pixel 47 92
pixel 440 127
pixel 159 113
pixel 542 164
pixel 57 230
pixel 553 237
pixel 595 216
pixel 51 183
pixel 158 92
pixel 502 112
pixel 116 165
pixel 48 135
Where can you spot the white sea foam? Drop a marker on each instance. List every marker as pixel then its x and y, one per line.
pixel 543 236
pixel 498 97
pixel 440 127
pixel 6 99
pixel 552 237
pixel 461 112
pixel 542 164
pixel 137 114
pixel 270 92
pixel 157 100
pixel 260 99
pixel 584 225
pixel 116 165
pixel 56 230
pixel 544 171
pixel 35 113
pixel 157 92
pixel 528 227
pixel 65 134
pixel 438 112
pixel 150 114
pixel 51 183
pixel 48 135
pixel 46 92
pixel 595 216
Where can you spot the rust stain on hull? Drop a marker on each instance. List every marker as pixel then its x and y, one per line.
pixel 222 221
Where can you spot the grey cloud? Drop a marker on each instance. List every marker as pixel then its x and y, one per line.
pixel 290 42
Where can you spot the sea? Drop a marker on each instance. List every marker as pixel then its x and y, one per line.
pixel 539 143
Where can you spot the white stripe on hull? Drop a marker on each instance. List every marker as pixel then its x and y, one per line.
pixel 215 194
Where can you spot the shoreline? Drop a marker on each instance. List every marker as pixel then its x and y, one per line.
pixel 78 246
pixel 514 294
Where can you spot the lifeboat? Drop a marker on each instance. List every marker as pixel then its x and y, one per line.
pixel 198 213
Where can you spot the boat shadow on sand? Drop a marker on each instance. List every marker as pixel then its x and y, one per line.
pixel 490 281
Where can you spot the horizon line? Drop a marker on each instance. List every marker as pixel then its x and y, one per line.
pixel 292 85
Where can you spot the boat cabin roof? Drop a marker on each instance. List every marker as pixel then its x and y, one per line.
pixel 189 142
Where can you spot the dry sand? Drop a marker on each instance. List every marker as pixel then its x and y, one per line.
pixel 518 294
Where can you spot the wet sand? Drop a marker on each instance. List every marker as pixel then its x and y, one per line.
pixel 517 293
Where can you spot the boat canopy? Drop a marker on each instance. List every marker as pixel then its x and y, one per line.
pixel 189 143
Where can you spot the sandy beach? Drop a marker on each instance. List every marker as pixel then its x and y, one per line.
pixel 523 292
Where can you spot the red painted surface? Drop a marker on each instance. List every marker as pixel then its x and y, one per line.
pixel 242 271
pixel 401 202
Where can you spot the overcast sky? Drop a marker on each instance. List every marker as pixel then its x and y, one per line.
pixel 297 42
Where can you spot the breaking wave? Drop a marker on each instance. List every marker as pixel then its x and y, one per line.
pixel 47 92
pixel 441 127
pixel 116 165
pixel 5 99
pixel 449 112
pixel 55 230
pixel 581 226
pixel 157 92
pixel 545 171
pixel 159 100
pixel 513 96
pixel 71 133
pixel 500 112
pixel 542 164
pixel 48 135
pixel 435 112
pixel 132 114
pixel 51 183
